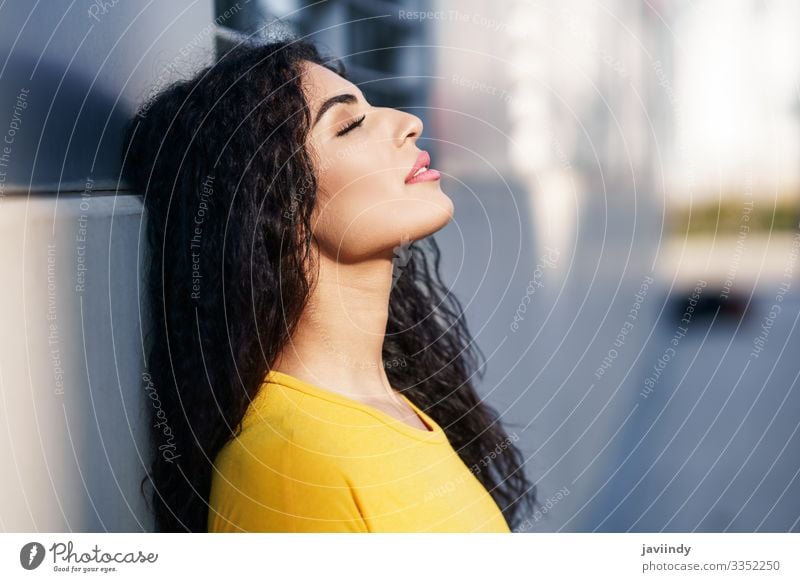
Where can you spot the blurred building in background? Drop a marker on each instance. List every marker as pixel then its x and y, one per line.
pixel 625 240
pixel 632 200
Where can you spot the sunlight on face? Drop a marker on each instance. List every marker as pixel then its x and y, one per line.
pixel 365 208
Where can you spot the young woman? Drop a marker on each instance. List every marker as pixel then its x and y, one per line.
pixel 312 371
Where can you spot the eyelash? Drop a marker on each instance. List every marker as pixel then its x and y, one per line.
pixel 350 127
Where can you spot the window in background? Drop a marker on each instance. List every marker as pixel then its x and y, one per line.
pixel 384 54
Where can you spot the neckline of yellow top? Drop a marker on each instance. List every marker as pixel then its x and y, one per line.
pixel 437 435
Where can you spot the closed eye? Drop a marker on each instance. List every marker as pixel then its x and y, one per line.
pixel 351 126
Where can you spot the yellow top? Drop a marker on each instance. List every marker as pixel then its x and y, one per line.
pixel 312 460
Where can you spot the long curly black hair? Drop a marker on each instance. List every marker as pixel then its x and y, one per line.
pixel 228 190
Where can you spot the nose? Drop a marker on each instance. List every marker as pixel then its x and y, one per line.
pixel 409 127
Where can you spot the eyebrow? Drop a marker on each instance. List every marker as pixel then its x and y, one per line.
pixel 347 98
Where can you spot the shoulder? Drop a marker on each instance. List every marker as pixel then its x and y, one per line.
pixel 290 450
pixel 265 483
pixel 287 421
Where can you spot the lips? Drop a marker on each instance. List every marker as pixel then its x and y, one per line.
pixel 421 171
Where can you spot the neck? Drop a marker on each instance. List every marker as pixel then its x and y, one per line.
pixel 338 341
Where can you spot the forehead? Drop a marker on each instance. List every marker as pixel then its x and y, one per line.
pixel 320 83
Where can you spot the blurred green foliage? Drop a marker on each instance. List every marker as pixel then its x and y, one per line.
pixel 725 217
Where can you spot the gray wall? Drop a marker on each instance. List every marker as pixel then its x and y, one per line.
pixel 71 361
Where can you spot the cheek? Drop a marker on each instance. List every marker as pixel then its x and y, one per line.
pixel 361 170
pixel 360 186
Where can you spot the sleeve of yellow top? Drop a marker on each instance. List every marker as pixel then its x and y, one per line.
pixel 285 488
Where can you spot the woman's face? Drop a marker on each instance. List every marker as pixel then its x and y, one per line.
pixel 365 205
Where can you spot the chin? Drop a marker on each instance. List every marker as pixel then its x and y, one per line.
pixel 436 218
pixel 446 206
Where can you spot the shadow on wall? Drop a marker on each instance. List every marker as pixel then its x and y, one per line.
pixel 69 128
